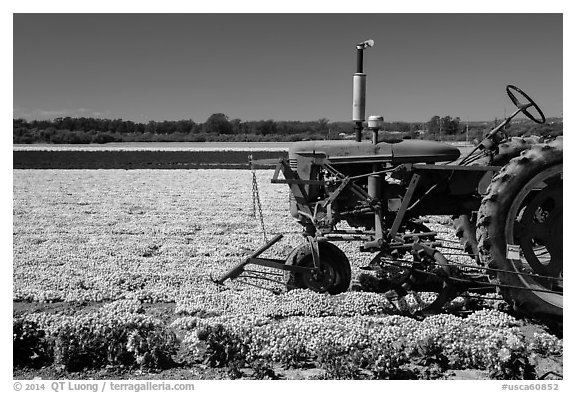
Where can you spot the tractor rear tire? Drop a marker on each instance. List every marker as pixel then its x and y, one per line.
pixel 512 148
pixel 519 230
pixel 333 277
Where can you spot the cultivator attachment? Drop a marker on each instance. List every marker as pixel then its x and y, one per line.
pixel 240 271
pixel 414 267
pixel 429 271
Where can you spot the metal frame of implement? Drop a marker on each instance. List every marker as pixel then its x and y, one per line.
pixel 373 239
pixel 451 285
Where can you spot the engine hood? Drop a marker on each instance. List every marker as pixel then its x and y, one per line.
pixel 405 151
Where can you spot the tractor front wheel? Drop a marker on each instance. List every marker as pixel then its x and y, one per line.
pixel 333 274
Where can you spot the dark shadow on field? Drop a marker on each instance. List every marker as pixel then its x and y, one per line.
pixel 139 159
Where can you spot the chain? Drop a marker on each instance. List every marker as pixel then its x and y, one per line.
pixel 256 201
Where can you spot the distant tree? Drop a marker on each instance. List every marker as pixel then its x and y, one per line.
pixel 434 125
pixel 48 134
pixel 151 127
pixel 66 123
pixel 19 122
pixel 121 129
pixel 449 125
pixel 399 126
pixel 323 124
pixel 416 126
pixel 236 126
pixel 103 137
pixel 455 125
pixel 130 127
pixel 266 127
pixel 185 126
pixel 114 125
pixel 217 124
pixel 442 126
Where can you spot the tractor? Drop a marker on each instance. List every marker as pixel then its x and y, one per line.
pixel 504 197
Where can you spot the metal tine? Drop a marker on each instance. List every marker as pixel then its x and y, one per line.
pixel 244 282
pixel 275 291
pixel 447 241
pixel 259 277
pixel 256 277
pixel 262 272
pixel 451 248
pixel 459 254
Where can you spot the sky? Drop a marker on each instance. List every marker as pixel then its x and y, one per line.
pixel 144 67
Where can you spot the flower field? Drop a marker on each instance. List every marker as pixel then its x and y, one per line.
pixel 149 234
pixel 122 240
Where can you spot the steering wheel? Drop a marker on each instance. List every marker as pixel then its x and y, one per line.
pixel 524 107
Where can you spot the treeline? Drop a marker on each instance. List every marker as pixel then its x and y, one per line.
pixel 219 128
pixel 216 128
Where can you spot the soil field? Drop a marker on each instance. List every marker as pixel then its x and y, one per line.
pixel 161 146
pixel 138 159
pixel 152 155
pixel 111 279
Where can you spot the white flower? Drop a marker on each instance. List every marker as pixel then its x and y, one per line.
pixel 504 354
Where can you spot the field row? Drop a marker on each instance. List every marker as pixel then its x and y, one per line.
pixel 158 146
pixel 138 159
pixel 380 346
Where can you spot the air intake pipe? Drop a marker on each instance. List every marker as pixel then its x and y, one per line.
pixel 359 89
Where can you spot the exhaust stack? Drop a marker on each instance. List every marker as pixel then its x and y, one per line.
pixel 359 89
